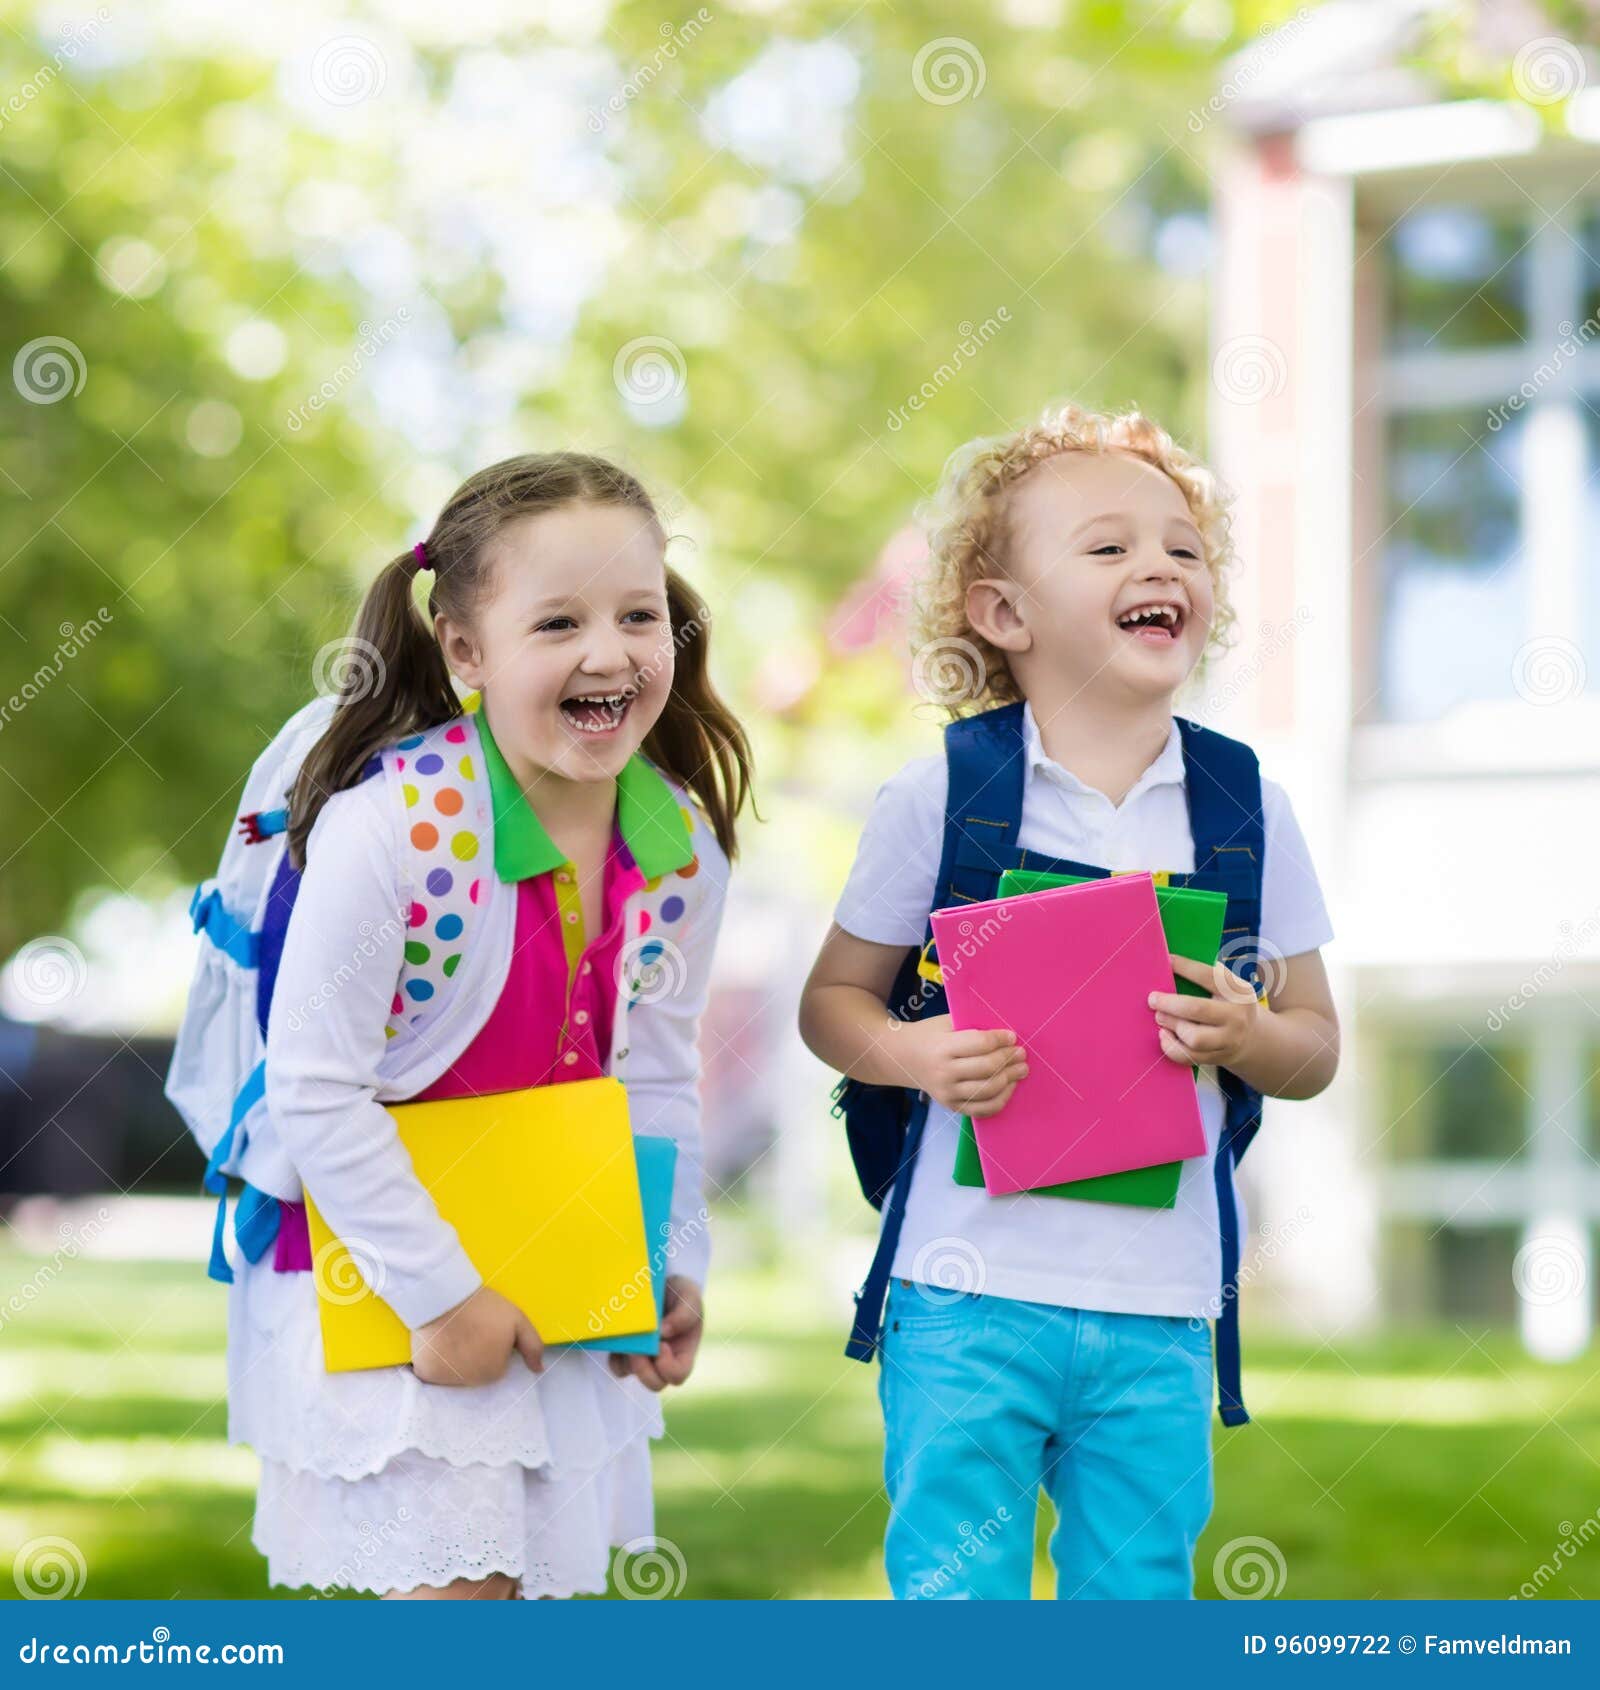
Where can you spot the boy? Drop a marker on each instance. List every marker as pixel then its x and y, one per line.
pixel 1081 570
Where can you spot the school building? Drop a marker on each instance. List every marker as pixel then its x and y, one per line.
pixel 1405 395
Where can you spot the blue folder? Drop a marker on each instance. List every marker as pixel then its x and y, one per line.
pixel 657 1158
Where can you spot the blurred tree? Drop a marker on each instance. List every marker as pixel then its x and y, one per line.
pixel 865 236
pixel 782 260
pixel 171 547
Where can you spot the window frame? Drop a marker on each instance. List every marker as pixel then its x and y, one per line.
pixel 1557 464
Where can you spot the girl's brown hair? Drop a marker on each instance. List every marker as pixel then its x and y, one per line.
pixel 397 682
pixel 969 536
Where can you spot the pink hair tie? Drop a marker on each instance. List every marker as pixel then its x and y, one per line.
pixel 420 553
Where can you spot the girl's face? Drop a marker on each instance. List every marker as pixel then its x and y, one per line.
pixel 1106 585
pixel 572 642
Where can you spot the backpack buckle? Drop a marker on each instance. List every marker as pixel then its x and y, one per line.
pixel 258 826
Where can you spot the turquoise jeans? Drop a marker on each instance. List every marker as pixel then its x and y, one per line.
pixel 985 1399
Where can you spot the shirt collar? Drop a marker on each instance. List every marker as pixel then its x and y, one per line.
pixel 1168 765
pixel 649 817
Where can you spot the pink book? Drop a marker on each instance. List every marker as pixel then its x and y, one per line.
pixel 1069 972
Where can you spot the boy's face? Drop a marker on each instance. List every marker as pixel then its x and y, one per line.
pixel 1092 539
pixel 572 643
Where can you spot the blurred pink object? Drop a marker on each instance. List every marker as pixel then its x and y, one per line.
pixel 877 608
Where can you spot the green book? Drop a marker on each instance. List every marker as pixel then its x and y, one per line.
pixel 1192 922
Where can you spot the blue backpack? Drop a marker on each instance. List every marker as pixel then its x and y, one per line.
pixel 983 811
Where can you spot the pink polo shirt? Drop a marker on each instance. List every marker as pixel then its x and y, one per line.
pixel 552 1021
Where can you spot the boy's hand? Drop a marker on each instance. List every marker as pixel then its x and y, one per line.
pixel 1219 1028
pixel 682 1323
pixel 971 1073
pixel 472 1343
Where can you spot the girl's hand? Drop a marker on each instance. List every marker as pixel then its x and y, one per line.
pixel 970 1073
pixel 472 1343
pixel 682 1323
pixel 1219 1029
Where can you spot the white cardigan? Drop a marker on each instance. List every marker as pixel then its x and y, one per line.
pixel 330 1067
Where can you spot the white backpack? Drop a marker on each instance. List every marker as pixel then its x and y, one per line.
pixel 219 1043
pixel 217 1076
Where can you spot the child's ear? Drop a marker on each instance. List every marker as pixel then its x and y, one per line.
pixel 461 652
pixel 993 610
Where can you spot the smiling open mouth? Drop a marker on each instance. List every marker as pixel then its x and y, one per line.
pixel 1157 624
pixel 596 712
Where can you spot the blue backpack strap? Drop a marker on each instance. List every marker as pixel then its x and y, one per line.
pixel 983 812
pixel 256 1217
pixel 257 1214
pixel 1223 780
pixel 222 927
pixel 275 915
pixel 216 1182
pixel 985 760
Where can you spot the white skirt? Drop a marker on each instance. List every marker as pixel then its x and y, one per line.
pixel 375 1481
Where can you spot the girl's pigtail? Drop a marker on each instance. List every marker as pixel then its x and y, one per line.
pixel 395 682
pixel 697 739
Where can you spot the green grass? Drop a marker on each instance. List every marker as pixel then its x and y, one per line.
pixel 1429 1464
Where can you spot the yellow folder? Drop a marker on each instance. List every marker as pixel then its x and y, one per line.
pixel 542 1188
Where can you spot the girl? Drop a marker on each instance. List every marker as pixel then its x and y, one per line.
pixel 612 774
pixel 1081 571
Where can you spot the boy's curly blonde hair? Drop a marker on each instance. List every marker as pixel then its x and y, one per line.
pixel 968 537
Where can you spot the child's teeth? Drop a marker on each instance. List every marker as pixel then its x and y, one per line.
pixel 612 704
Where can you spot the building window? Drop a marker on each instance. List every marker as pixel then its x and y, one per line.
pixel 1455 586
pixel 1487 391
pixel 1458 277
pixel 1591 1113
pixel 1486 1147
pixel 1451 1274
pixel 1451 1101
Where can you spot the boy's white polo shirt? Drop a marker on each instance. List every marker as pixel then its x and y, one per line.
pixel 1108 1256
